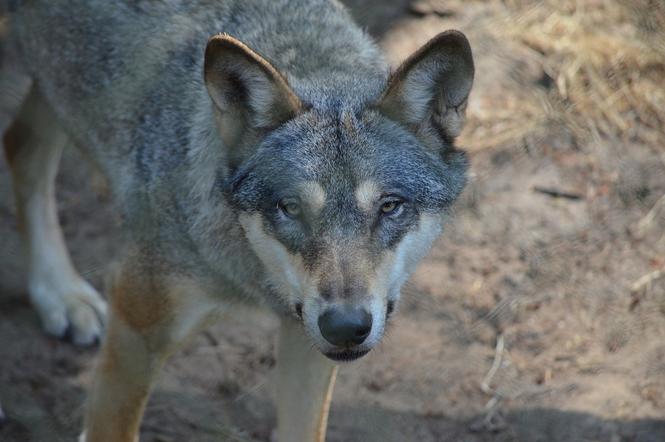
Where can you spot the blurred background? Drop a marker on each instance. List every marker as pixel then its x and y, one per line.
pixel 539 315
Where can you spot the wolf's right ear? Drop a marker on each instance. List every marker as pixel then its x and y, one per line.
pixel 431 88
pixel 247 90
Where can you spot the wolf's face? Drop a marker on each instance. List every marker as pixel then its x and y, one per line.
pixel 340 202
pixel 340 208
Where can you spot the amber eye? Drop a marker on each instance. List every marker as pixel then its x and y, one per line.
pixel 391 207
pixel 289 207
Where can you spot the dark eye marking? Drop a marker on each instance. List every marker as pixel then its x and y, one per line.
pixel 390 308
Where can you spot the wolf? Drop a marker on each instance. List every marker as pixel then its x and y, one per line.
pixel 258 151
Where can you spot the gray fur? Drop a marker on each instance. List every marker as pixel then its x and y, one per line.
pixel 277 161
pixel 125 80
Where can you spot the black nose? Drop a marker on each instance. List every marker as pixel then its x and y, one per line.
pixel 345 326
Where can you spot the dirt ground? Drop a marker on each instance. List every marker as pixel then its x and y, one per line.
pixel 535 318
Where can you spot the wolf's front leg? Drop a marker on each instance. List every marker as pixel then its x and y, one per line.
pixel 149 317
pixel 64 300
pixel 305 381
pixel 122 382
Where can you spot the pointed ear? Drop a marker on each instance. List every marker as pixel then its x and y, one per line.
pixel 247 90
pixel 430 89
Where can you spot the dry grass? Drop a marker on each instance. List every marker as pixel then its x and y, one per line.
pixel 603 64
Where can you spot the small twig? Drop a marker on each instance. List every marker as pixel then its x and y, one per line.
pixel 641 287
pixel 554 193
pixel 492 404
pixel 498 356
pixel 492 421
pixel 645 281
pixel 643 225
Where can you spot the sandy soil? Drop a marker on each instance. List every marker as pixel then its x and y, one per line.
pixel 541 288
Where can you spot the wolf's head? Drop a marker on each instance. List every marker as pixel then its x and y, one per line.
pixel 341 201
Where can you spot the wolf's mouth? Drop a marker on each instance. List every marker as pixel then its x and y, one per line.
pixel 346 355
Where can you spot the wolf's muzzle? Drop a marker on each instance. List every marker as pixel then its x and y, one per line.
pixel 345 326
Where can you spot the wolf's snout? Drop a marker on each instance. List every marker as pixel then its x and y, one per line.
pixel 345 326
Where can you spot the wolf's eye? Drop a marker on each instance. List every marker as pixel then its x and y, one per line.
pixel 391 207
pixel 289 207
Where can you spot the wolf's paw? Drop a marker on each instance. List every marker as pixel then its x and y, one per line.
pixel 69 309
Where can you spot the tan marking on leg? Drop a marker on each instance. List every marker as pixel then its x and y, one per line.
pixel 140 311
pixel 123 378
pixel 138 342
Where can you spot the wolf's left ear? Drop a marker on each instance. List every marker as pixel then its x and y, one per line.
pixel 431 88
pixel 247 90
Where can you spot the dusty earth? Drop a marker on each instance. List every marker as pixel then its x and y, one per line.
pixel 531 320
